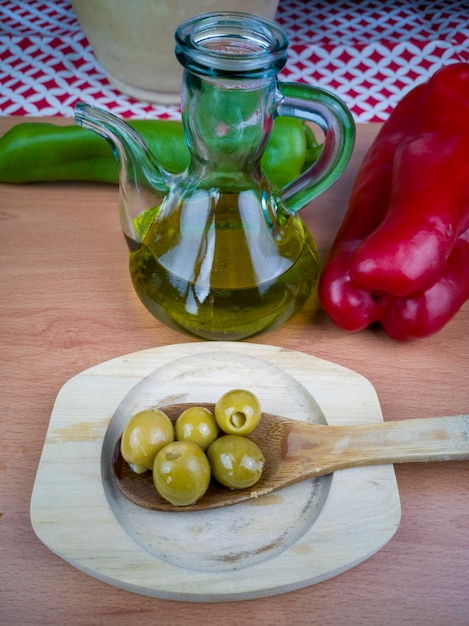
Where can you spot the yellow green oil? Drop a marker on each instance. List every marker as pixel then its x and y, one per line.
pixel 217 269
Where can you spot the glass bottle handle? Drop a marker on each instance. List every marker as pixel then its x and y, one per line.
pixel 333 117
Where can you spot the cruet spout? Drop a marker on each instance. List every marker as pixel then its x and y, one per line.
pixel 143 183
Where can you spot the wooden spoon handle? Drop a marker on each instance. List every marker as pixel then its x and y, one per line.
pixel 338 447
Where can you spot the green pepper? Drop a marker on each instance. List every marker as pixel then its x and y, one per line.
pixel 292 147
pixel 37 151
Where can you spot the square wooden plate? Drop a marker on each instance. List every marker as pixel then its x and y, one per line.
pixel 294 538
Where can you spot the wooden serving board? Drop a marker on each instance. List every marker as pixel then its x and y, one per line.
pixel 297 537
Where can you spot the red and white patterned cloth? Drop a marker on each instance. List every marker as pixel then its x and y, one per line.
pixel 368 52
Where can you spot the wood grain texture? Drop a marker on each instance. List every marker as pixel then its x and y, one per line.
pixel 296 451
pixel 298 537
pixel 67 304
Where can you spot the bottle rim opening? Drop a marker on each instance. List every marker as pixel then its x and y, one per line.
pixel 231 42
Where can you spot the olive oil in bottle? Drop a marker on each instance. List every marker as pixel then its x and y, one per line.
pixel 216 269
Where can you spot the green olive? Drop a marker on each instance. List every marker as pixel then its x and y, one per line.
pixel 145 434
pixel 181 473
pixel 236 461
pixel 238 412
pixel 196 424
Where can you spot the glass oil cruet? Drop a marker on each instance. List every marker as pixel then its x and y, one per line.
pixel 217 252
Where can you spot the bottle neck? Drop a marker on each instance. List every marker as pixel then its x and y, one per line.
pixel 229 90
pixel 227 123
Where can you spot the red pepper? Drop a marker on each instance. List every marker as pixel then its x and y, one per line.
pixel 401 256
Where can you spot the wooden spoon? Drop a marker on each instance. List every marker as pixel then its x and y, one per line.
pixel 296 451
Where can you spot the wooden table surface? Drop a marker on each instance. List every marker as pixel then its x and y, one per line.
pixel 67 304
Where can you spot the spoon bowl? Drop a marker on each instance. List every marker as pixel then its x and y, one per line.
pixel 295 451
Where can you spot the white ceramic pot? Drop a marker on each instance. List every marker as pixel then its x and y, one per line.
pixel 134 41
